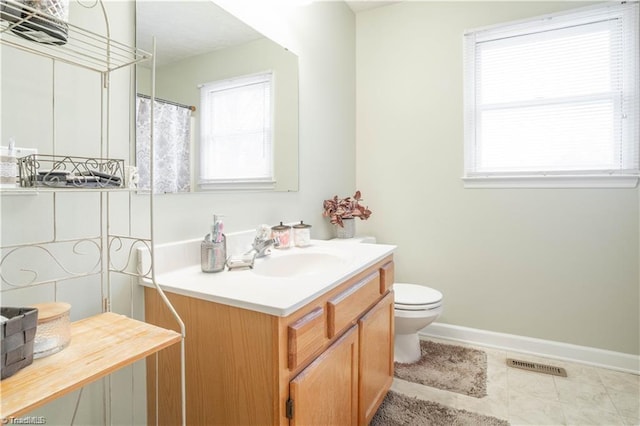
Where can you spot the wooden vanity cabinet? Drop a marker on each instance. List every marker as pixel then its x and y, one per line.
pixel 375 332
pixel 329 362
pixel 326 392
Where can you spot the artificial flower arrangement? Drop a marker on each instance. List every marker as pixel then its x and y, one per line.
pixel 345 208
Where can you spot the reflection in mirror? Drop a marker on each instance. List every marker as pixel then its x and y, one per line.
pixel 199 46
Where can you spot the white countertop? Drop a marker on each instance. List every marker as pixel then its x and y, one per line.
pixel 279 296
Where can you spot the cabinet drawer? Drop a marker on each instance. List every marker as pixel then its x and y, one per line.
pixel 386 277
pixel 345 308
pixel 305 337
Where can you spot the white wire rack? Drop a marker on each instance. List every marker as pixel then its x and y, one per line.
pixel 82 48
pixel 28 29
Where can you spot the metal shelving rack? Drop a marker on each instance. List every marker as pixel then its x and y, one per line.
pixel 83 48
pixel 109 333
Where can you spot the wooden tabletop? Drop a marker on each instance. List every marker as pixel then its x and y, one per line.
pixel 99 346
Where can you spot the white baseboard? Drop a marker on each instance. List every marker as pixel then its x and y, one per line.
pixel 619 361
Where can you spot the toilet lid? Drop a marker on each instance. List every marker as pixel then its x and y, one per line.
pixel 401 307
pixel 411 296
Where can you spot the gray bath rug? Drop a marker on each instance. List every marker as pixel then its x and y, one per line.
pixel 448 367
pixel 402 410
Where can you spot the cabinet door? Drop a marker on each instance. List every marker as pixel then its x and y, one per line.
pixel 376 357
pixel 326 392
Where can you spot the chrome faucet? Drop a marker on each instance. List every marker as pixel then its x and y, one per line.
pixel 259 248
pixel 262 246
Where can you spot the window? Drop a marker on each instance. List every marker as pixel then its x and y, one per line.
pixel 236 133
pixel 553 101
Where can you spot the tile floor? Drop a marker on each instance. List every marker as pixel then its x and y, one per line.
pixel 588 396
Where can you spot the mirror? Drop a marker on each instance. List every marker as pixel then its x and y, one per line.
pixel 198 42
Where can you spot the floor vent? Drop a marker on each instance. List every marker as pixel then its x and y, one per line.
pixel 538 368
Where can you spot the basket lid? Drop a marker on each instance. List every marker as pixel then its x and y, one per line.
pixel 51 310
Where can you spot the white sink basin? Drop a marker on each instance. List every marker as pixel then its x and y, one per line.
pixel 297 264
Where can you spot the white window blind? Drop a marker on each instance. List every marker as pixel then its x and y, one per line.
pixel 236 133
pixel 555 96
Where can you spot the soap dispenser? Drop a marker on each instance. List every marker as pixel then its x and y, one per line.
pixel 8 166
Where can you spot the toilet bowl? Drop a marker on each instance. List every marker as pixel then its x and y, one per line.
pixel 415 307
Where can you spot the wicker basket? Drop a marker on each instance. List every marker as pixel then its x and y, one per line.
pixel 17 339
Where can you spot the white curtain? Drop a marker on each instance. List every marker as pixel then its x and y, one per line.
pixel 172 134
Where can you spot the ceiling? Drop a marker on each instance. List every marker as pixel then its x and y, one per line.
pixel 202 27
pixel 362 5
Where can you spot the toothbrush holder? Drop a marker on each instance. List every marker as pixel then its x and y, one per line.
pixel 213 255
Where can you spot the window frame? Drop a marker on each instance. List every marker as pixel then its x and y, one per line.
pixel 237 183
pixel 472 178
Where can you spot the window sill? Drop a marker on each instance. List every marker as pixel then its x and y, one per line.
pixel 542 182
pixel 248 185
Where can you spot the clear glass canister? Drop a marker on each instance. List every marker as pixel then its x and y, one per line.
pixel 53 333
pixel 302 234
pixel 283 234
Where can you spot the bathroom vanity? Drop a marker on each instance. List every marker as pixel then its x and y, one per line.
pixel 274 347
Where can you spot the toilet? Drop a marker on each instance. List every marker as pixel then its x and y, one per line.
pixel 415 307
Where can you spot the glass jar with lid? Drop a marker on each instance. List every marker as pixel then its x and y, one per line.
pixel 283 234
pixel 53 332
pixel 302 234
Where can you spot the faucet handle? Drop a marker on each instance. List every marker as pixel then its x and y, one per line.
pixel 263 232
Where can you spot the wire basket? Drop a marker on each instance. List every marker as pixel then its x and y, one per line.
pixel 18 332
pixel 42 21
pixel 58 171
